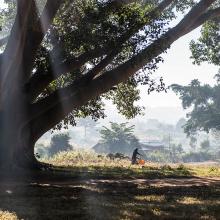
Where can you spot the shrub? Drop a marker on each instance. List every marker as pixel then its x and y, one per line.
pixel 59 142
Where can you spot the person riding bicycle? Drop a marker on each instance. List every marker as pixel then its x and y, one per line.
pixel 134 156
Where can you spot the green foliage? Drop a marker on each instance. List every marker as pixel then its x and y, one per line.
pixel 205 145
pixel 59 142
pixel 204 103
pixel 203 99
pixel 176 152
pixel 200 156
pixel 192 142
pixel 117 138
pixel 207 47
pixel 173 154
pixel 93 25
pixel 158 156
pixel 124 97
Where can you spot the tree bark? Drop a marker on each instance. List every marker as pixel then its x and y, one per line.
pixel 16 138
pixel 16 155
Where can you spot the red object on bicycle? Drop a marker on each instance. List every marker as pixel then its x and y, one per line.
pixel 141 162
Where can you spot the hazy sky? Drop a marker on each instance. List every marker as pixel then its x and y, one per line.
pixel 2 5
pixel 178 68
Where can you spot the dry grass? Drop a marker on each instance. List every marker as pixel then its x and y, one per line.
pixel 205 170
pixel 5 215
pixel 89 161
pixel 85 158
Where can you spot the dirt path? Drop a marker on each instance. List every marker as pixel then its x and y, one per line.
pixel 203 181
pixel 178 182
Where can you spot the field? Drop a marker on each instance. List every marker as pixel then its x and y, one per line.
pixel 90 187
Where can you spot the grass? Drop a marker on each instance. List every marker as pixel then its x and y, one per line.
pixel 204 170
pixel 94 166
pixel 90 187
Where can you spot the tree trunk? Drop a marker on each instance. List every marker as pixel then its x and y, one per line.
pixel 17 154
pixel 16 138
pixel 17 149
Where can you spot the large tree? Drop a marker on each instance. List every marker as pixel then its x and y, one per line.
pixel 61 56
pixel 203 101
pixel 119 138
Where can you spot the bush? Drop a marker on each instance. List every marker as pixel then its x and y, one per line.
pixel 158 156
pixel 59 142
pixel 166 167
pixel 197 157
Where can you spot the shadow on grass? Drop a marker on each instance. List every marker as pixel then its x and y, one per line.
pixel 98 172
pixel 111 200
pixel 106 172
pixel 97 192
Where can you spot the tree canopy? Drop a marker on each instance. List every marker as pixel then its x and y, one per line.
pixel 204 102
pixel 204 99
pixel 88 41
pixel 117 138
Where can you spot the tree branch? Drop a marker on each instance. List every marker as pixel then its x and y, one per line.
pixel 24 40
pixel 70 100
pixel 209 15
pixel 37 33
pixel 83 81
pixel 39 81
pixel 184 25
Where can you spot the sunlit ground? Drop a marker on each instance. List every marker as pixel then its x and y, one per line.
pixel 102 189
